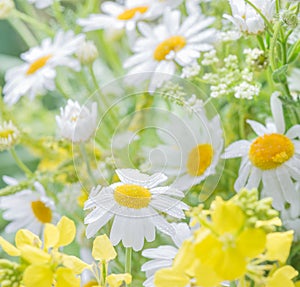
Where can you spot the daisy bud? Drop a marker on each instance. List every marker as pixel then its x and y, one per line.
pixel 6 6
pixel 9 135
pixel 289 19
pixel 87 53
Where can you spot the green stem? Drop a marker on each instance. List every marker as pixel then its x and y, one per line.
pixel 128 258
pixel 87 163
pixel 103 273
pixel 277 6
pixel 273 45
pixel 20 163
pixel 37 24
pixel 23 31
pixel 57 10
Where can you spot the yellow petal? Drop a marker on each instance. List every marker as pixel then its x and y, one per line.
pixel 251 242
pixel 271 222
pixel 67 231
pixel 25 237
pixel 185 256
pixel 65 277
pixel 206 276
pixel 73 263
pixel 227 217
pixel 51 236
pixel 34 255
pixel 116 280
pixel 37 276
pixel 103 249
pixel 282 277
pixel 278 245
pixel 9 248
pixel 170 277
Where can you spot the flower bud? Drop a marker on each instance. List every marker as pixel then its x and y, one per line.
pixel 87 53
pixel 6 6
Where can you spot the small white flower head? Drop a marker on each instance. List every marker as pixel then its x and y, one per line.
pixel 190 71
pixel 136 205
pixel 9 135
pixel 246 18
pixel 37 74
pixel 41 4
pixel 256 58
pixel 219 90
pixel 87 52
pixel 246 91
pixel 168 45
pixel 6 6
pixel 29 208
pixel 289 19
pixel 77 123
pixel 210 58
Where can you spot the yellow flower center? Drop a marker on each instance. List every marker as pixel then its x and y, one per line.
pixel 174 43
pixel 132 196
pixel 130 13
pixel 228 241
pixel 41 211
pixel 270 151
pixel 199 159
pixel 38 64
pixel 6 133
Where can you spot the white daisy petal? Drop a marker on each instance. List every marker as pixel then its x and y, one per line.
pixel 258 128
pixel 237 149
pixel 277 112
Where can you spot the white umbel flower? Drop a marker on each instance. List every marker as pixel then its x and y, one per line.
pixel 29 209
pixel 173 43
pixel 41 4
pixel 6 6
pixel 117 16
pixel 246 18
pixel 163 256
pixel 134 204
pixel 9 135
pixel 37 74
pixel 273 158
pixel 191 150
pixel 77 123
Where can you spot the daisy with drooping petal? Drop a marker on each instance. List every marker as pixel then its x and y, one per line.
pixel 134 204
pixel 117 16
pixel 273 158
pixel 163 256
pixel 26 209
pixel 37 74
pixel 41 4
pixel 77 123
pixel 246 18
pixel 191 150
pixel 9 135
pixel 173 43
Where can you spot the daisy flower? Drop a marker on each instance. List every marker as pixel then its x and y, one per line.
pixel 26 209
pixel 246 18
pixel 173 43
pixel 117 16
pixel 37 74
pixel 163 256
pixel 41 4
pixel 77 123
pixel 134 204
pixel 191 150
pixel 6 6
pixel 273 158
pixel 9 135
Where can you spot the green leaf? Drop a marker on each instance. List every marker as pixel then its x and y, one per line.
pixel 294 52
pixel 279 75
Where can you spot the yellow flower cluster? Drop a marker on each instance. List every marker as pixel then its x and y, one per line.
pixel 230 246
pixel 43 265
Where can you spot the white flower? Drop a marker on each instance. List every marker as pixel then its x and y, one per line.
pixel 190 71
pixel 41 4
pixel 246 18
pixel 135 204
pixel 9 135
pixel 167 45
pixel 210 58
pixel 77 123
pixel 37 74
pixel 117 16
pixel 6 6
pixel 26 209
pixel 87 52
pixel 246 91
pixel 163 256
pixel 273 158
pixel 294 80
pixel 191 149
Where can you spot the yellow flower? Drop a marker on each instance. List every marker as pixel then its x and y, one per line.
pixel 282 277
pixel 227 243
pixel 46 265
pixel 103 250
pixel 117 280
